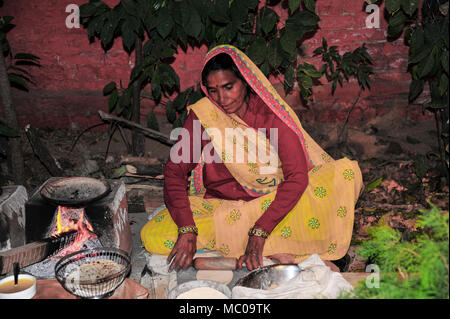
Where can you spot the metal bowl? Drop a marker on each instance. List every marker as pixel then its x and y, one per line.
pixel 264 277
pixel 94 289
pixel 75 191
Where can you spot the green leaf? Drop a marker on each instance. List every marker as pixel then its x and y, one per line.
pixel 396 24
pixel 152 121
pixel 221 11
pixel 18 82
pixel 310 5
pixel 310 70
pixel 252 4
pixel 108 88
pixel 410 6
pixel 420 54
pixel 443 84
pixel 444 61
pixel 289 77
pixel 302 21
pixel 164 22
pixel 112 102
pixel 179 102
pixel 426 66
pixel 294 4
pixel 305 80
pixel 274 55
pixel 265 68
pixel 269 19
pixel 119 172
pixel 128 34
pixel 156 87
pixel 26 56
pixel 415 89
pixel 171 113
pixel 288 42
pixel 194 97
pixel 257 51
pixel 87 9
pixel 393 6
pixel 239 12
pixel 194 26
pixel 416 43
pixel 130 7
pixel 371 186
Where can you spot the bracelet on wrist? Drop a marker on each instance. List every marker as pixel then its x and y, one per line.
pixel 258 232
pixel 188 229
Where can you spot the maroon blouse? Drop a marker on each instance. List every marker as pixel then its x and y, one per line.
pixel 219 182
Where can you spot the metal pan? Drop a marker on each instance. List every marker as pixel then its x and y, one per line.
pixel 264 277
pixel 75 191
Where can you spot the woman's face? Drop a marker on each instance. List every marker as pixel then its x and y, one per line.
pixel 228 91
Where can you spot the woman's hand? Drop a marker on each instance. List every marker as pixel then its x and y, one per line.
pixel 253 257
pixel 183 252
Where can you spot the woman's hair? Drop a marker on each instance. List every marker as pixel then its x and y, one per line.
pixel 222 61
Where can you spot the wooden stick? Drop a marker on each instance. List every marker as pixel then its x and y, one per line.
pixel 148 132
pixel 41 151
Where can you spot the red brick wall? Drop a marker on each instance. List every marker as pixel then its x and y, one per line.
pixel 74 71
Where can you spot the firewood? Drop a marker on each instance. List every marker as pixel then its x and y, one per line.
pixel 139 160
pixel 41 151
pixel 139 169
pixel 148 132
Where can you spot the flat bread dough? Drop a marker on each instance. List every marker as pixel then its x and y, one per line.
pixel 222 276
pixel 202 293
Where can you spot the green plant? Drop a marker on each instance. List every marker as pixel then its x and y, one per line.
pixel 338 68
pixel 155 29
pixel 16 64
pixel 416 267
pixel 426 33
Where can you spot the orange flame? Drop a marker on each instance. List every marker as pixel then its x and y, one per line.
pixel 66 220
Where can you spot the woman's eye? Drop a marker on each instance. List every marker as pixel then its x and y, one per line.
pixel 229 87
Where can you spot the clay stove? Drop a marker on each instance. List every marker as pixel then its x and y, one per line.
pixel 101 221
pixel 105 217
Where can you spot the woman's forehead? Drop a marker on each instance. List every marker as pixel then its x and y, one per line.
pixel 221 77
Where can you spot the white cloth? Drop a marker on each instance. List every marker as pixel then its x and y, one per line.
pixel 315 281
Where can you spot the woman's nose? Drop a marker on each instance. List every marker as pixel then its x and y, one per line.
pixel 221 96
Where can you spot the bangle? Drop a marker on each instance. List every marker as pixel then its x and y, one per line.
pixel 258 232
pixel 187 229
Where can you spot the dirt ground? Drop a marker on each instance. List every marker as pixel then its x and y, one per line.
pixel 401 155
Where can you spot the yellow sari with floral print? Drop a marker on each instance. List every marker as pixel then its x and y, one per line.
pixel 320 223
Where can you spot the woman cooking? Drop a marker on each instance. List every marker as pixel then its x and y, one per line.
pixel 296 202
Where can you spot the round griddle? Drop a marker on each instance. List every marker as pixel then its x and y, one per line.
pixel 75 191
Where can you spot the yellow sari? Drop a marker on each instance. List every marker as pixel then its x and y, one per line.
pixel 322 220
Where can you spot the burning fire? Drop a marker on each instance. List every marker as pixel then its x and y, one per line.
pixel 69 218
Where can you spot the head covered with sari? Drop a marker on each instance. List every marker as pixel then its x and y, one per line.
pixel 257 83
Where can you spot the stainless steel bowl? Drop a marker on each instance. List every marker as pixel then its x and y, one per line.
pixel 264 277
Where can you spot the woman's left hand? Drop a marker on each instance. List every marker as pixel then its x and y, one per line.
pixel 253 257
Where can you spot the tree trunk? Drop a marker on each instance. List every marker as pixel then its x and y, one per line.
pixel 137 138
pixel 15 157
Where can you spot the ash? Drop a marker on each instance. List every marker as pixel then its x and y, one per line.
pixel 46 269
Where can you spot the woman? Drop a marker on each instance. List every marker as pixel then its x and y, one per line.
pixel 296 202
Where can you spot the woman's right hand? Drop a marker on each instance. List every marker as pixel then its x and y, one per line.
pixel 182 254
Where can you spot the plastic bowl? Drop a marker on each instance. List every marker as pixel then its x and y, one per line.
pixel 27 293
